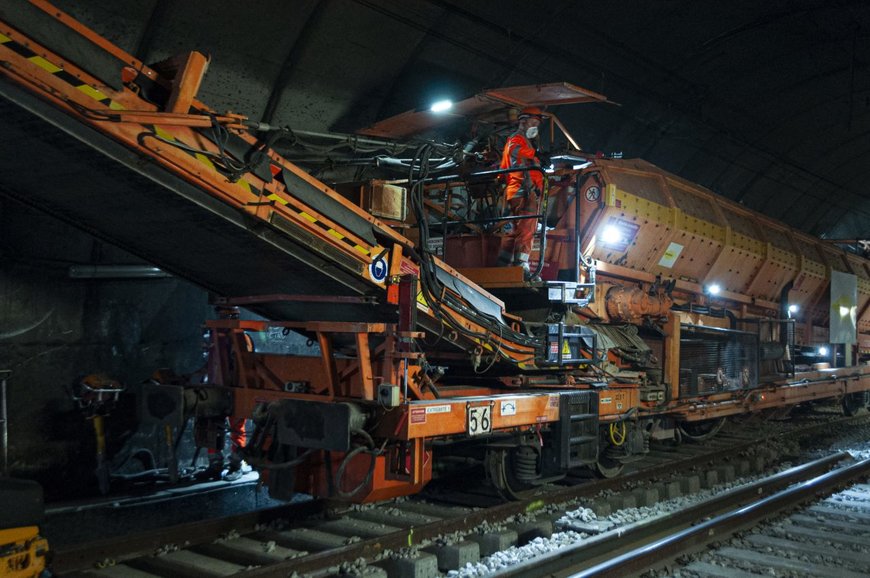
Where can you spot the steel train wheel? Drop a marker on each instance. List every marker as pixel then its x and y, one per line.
pixel 698 432
pixel 501 465
pixel 853 402
pixel 608 468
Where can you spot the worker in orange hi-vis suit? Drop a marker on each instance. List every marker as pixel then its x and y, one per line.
pixel 522 191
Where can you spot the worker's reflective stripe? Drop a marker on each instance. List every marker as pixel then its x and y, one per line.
pixel 515 153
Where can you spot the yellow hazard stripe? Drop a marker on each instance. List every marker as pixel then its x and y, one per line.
pixel 52 68
pixel 245 185
pixel 163 134
pixel 44 64
pixel 312 219
pixel 329 229
pixel 202 158
pixel 92 92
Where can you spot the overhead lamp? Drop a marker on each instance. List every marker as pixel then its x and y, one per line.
pixel 713 289
pixel 116 272
pixel 823 351
pixel 793 308
pixel 612 235
pixel 441 105
pixel 618 234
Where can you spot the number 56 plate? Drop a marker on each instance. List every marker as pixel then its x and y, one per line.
pixel 479 420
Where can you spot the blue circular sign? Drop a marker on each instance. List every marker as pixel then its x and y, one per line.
pixel 378 270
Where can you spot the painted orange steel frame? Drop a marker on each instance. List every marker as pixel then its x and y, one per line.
pixel 259 380
pixel 421 416
pixel 810 387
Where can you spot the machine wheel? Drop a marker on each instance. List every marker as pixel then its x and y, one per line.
pixel 853 402
pixel 608 468
pixel 503 466
pixel 698 432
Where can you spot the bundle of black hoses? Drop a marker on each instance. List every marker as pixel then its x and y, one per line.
pixel 434 292
pixel 368 447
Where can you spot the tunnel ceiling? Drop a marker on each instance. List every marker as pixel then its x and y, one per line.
pixel 765 103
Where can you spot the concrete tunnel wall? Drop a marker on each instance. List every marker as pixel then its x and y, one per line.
pixel 55 329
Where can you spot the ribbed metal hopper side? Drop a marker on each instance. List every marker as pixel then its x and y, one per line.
pixel 61 166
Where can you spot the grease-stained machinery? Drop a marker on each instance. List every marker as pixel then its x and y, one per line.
pixel 423 347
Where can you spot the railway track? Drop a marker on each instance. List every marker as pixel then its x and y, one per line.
pixel 416 536
pixel 634 549
pixel 831 537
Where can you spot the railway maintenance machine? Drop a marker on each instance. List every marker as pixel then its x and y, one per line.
pixel 422 349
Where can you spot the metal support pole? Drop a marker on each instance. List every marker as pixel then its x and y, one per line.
pixel 4 419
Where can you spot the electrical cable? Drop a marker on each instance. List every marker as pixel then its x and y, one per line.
pixel 433 290
pixel 262 464
pixel 339 474
pixel 341 470
pixel 617 436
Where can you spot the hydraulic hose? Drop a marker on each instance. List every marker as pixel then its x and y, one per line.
pixel 339 474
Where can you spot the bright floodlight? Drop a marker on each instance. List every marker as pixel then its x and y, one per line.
pixel 611 235
pixel 714 289
pixel 793 308
pixel 442 106
pixel 823 351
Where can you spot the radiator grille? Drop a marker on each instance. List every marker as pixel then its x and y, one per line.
pixel 776 342
pixel 714 360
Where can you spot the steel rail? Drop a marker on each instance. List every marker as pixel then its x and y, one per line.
pixel 730 522
pixel 643 543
